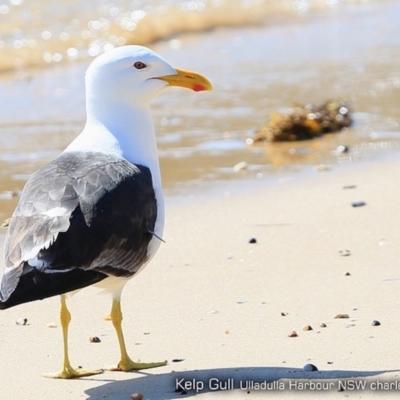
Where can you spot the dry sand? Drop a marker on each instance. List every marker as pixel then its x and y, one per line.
pixel 215 301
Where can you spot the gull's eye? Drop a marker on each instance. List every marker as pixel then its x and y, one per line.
pixel 139 65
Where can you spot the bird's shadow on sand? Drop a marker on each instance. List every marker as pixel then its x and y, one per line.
pixel 185 384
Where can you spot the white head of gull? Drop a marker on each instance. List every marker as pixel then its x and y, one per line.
pixel 95 215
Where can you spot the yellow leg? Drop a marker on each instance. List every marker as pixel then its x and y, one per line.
pixel 67 372
pixel 126 364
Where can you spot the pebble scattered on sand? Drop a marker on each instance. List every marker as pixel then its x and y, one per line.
pixel 253 240
pixel 322 325
pixel 342 149
pixel 307 328
pixel 136 396
pixel 358 203
pixel 5 223
pixel 94 339
pixel 383 242
pixel 284 314
pixel 344 253
pixel 176 360
pixel 293 334
pixel 347 273
pixel 310 367
pixel 240 166
pixel 339 316
pixel 323 167
pixel 9 194
pixel 21 321
pixel 375 323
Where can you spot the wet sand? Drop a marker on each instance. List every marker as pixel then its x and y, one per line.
pixel 225 307
pixel 347 52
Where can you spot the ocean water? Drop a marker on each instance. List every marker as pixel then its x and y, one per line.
pixel 262 56
pixel 36 32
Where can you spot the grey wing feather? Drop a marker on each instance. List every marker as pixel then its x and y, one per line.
pixel 43 212
pixel 49 198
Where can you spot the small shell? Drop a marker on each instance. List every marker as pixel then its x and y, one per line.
pixel 293 334
pixel 136 396
pixel 94 339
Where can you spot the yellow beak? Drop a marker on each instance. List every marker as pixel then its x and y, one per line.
pixel 188 79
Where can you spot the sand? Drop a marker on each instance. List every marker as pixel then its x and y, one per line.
pixel 224 307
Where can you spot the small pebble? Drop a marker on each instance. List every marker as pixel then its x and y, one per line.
pixel 330 362
pixel 383 242
pixel 322 325
pixel 310 367
pixel 213 312
pixel 347 273
pixel 375 323
pixel 253 240
pixel 240 166
pixel 21 321
pixel 136 396
pixel 94 339
pixel 293 334
pixel 358 203
pixel 307 328
pixel 342 149
pixel 51 325
pixel 178 360
pixel 344 253
pixel 338 316
pixel 322 167
pixel 284 314
pixel 6 223
pixel 227 331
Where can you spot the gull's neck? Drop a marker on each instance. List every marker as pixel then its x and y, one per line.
pixel 123 129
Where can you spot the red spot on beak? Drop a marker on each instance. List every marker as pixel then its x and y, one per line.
pixel 198 87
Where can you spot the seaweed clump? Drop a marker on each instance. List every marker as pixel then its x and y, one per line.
pixel 306 122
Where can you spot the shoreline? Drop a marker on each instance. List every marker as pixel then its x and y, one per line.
pixel 223 308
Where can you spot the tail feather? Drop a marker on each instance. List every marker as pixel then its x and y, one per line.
pixel 37 285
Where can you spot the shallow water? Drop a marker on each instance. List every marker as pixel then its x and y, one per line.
pixel 332 50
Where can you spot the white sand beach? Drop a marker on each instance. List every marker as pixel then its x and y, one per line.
pixel 218 307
